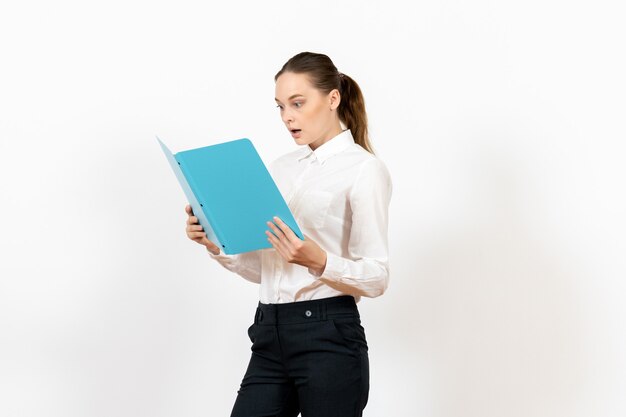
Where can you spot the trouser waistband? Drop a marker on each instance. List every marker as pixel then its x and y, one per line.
pixel 306 311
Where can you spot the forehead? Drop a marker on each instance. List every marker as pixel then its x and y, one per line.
pixel 290 83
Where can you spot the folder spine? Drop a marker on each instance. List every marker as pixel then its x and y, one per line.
pixel 196 191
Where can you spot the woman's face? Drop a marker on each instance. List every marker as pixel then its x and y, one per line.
pixel 309 115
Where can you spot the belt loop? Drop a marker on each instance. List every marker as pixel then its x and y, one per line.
pixel 323 311
pixel 257 315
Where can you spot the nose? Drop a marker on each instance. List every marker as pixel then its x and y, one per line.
pixel 287 116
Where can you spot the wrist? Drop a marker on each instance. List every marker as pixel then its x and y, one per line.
pixel 320 265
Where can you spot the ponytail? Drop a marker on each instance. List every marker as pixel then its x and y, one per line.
pixel 352 111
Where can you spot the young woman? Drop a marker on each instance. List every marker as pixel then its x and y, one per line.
pixel 309 351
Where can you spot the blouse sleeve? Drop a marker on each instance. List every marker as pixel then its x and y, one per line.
pixel 366 271
pixel 247 265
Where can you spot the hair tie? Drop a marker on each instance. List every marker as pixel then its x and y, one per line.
pixel 341 75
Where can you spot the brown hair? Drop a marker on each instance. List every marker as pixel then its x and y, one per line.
pixel 324 76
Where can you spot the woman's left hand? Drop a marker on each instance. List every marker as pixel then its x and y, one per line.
pixel 302 252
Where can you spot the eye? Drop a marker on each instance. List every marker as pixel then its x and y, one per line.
pixel 279 106
pixel 297 103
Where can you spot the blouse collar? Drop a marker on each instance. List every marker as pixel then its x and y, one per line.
pixel 329 148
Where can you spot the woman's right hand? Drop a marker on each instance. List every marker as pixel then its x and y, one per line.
pixel 196 233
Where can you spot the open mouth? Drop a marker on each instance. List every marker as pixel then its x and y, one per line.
pixel 295 130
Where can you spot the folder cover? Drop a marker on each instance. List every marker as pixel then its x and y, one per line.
pixel 231 193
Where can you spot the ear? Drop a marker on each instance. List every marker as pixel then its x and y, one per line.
pixel 334 98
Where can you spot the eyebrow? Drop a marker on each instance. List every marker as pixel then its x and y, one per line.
pixel 295 95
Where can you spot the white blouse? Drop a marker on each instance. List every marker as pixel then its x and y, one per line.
pixel 339 195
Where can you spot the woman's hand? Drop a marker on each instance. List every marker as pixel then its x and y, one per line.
pixel 302 252
pixel 196 233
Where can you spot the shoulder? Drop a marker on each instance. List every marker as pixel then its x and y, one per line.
pixel 371 177
pixel 368 164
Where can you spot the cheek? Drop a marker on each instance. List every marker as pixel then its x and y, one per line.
pixel 315 115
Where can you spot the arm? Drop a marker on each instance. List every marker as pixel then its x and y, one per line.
pixel 247 264
pixel 366 272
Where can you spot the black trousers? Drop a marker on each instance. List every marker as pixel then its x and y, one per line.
pixel 308 357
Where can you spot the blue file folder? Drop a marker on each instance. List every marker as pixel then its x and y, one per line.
pixel 231 193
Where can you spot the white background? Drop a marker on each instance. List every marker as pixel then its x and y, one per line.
pixel 502 124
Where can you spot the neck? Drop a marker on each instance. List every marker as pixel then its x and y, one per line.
pixel 331 133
